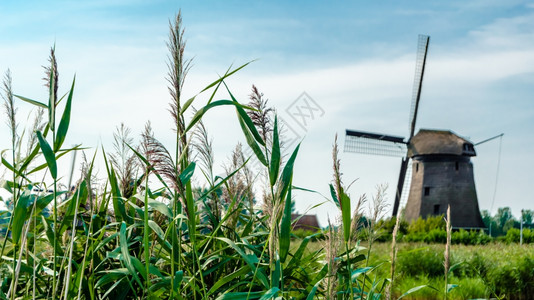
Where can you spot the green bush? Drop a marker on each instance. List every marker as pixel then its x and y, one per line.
pixel 386 229
pixel 436 236
pixel 432 230
pixel 428 224
pixel 421 262
pixel 513 235
pixel 514 279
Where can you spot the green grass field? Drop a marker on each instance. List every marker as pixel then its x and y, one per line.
pixel 496 270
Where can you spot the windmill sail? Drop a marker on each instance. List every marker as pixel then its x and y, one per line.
pixel 387 145
pixel 374 143
pixel 422 49
pixel 420 61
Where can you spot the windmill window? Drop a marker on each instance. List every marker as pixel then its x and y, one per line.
pixel 457 165
pixel 468 149
pixel 427 191
pixel 436 209
pixel 416 167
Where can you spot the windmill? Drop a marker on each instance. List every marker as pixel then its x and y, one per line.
pixel 442 172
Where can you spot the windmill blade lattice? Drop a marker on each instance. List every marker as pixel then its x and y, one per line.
pixel 422 49
pixel 375 144
pixel 406 186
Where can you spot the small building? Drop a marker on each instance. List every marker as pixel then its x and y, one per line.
pixel 305 222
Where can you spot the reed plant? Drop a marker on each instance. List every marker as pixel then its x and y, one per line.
pixel 148 231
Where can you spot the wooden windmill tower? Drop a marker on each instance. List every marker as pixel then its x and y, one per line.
pixel 442 172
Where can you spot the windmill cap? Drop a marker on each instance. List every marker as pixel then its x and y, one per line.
pixel 439 142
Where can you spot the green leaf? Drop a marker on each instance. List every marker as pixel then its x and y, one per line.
pixel 450 287
pixel 300 251
pixel 125 253
pixel 48 154
pixel 178 277
pixel 218 81
pixel 36 103
pixel 185 176
pixel 147 164
pixel 191 211
pixel 229 277
pixel 334 196
pixel 111 276
pixel 455 266
pixel 270 293
pixel 138 266
pixel 34 153
pixel 187 104
pixel 161 207
pixel 345 215
pixel 415 289
pixel 198 115
pixel 248 259
pixel 118 203
pixel 248 122
pixel 285 229
pixel 156 229
pixel 79 196
pixel 240 296
pixel 10 167
pixel 65 120
pixel 252 142
pixel 19 217
pixel 287 173
pixel 61 153
pixel 276 274
pixel 275 154
pixel 358 272
pixel 313 291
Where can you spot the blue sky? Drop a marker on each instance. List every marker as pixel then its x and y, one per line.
pixel 355 59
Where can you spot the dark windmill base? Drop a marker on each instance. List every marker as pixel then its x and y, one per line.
pixel 438 182
pixel 442 175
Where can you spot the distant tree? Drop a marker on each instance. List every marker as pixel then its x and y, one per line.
pixel 503 215
pixel 528 216
pixel 486 217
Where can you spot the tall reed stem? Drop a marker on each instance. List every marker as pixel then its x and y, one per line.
pixel 446 263
pixel 146 237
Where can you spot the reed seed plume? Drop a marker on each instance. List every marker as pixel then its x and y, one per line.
pixel 377 210
pixel 261 116
pixel 338 183
pixel 331 246
pixel 37 125
pixel 203 146
pixel 357 217
pixel 90 179
pixel 159 159
pixel 51 82
pixel 9 106
pixel 124 160
pixel 146 138
pixel 178 67
pixel 379 205
pixel 239 185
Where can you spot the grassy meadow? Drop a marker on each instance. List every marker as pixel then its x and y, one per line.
pixel 146 231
